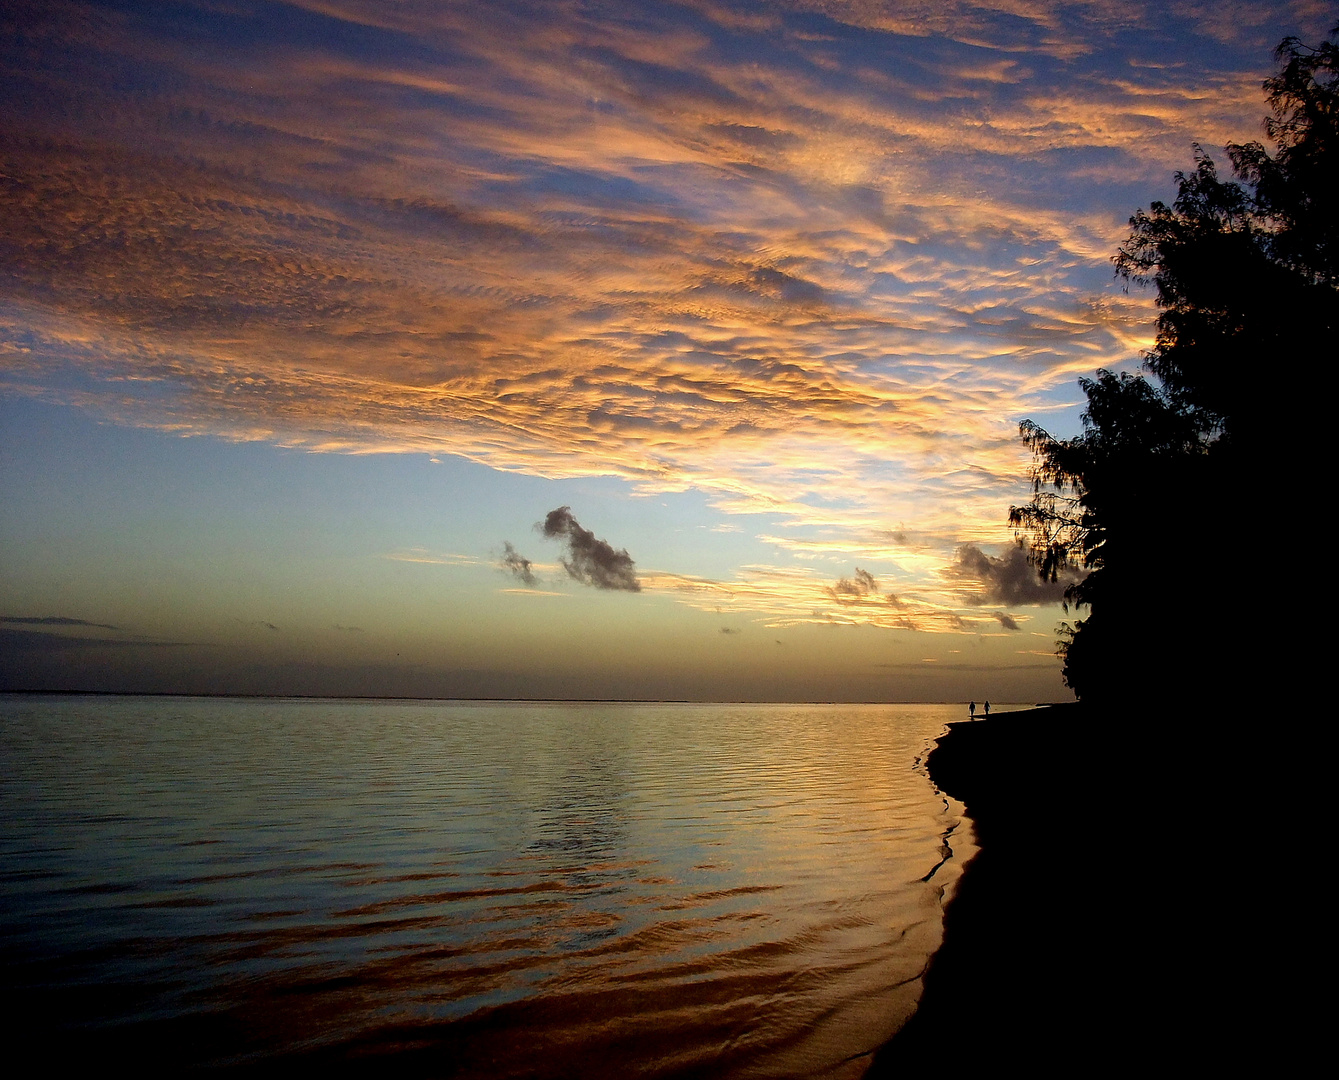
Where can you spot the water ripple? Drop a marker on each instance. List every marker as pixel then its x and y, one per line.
pixel 474 889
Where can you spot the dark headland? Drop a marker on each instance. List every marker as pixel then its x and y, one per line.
pixel 1110 918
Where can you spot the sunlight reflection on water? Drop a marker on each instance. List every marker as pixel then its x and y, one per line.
pixel 478 888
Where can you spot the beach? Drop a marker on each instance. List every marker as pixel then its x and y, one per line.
pixel 1101 925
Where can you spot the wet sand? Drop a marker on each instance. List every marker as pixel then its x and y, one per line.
pixel 1101 925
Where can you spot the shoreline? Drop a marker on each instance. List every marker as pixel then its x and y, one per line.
pixel 984 985
pixel 1104 920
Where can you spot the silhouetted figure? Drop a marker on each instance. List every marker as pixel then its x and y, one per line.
pixel 987 710
pixel 971 710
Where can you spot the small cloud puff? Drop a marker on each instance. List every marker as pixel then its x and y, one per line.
pixel 516 564
pixel 589 560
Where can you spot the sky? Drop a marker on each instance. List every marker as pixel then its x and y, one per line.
pixel 570 349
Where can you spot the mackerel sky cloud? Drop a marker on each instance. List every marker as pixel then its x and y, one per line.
pixel 814 260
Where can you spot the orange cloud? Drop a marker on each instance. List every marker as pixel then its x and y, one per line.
pixel 815 273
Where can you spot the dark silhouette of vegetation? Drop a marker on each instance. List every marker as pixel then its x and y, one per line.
pixel 1162 495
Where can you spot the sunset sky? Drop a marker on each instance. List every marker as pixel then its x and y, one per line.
pixel 315 316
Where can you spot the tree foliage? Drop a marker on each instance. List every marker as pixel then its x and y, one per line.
pixel 1153 497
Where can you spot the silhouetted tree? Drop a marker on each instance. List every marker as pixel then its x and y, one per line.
pixel 1157 496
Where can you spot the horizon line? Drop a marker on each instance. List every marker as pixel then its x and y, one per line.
pixel 508 700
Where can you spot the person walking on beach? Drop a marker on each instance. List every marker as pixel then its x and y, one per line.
pixel 971 710
pixel 987 710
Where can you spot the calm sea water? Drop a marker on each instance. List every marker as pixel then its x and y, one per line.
pixel 478 889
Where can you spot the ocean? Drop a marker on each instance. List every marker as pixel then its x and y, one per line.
pixel 470 889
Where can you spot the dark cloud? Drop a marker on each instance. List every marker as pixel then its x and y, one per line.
pixel 1006 620
pixel 855 589
pixel 257 624
pixel 851 590
pixel 516 564
pixel 730 630
pixel 942 619
pixel 52 620
pixel 588 560
pixel 1008 580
